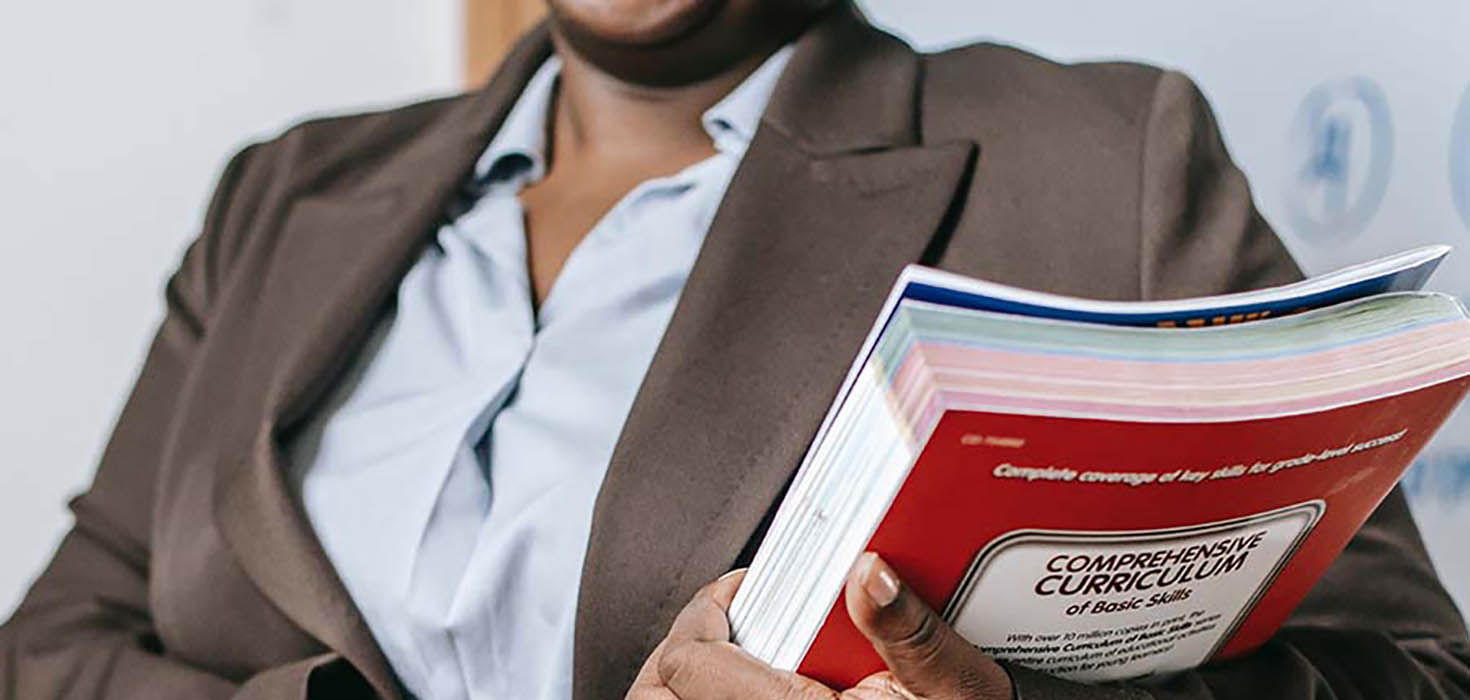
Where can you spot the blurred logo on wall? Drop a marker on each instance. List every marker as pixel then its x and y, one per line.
pixel 1342 154
pixel 1440 476
pixel 1460 159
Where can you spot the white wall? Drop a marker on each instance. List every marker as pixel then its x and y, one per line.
pixel 115 118
pixel 1258 61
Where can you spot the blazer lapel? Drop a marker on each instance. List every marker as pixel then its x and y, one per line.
pixel 833 198
pixel 339 257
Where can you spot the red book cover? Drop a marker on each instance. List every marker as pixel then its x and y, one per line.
pixel 1095 549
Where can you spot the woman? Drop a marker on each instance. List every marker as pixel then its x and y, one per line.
pixel 469 398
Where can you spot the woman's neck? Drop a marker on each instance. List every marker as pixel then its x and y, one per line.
pixel 597 116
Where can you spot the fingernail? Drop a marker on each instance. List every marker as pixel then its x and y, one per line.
pixel 728 574
pixel 879 581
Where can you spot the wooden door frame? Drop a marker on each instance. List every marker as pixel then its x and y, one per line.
pixel 491 27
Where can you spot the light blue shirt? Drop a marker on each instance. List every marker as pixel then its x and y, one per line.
pixel 451 477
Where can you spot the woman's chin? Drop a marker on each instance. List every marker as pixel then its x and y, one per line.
pixel 636 23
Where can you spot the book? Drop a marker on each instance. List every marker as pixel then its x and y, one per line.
pixel 1105 490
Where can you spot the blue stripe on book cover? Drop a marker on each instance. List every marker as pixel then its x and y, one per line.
pixel 1410 279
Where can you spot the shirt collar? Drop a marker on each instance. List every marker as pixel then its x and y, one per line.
pixel 731 122
pixel 519 148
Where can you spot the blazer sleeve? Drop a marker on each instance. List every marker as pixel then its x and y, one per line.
pixel 84 630
pixel 1379 624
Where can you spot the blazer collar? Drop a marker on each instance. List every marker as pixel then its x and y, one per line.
pixel 848 88
pixel 338 257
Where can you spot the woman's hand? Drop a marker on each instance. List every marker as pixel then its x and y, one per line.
pixel 925 658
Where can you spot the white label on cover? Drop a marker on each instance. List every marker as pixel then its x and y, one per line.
pixel 1098 606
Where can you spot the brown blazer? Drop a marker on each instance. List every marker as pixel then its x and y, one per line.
pixel 191 573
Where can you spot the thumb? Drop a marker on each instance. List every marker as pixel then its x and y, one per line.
pixel 928 658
